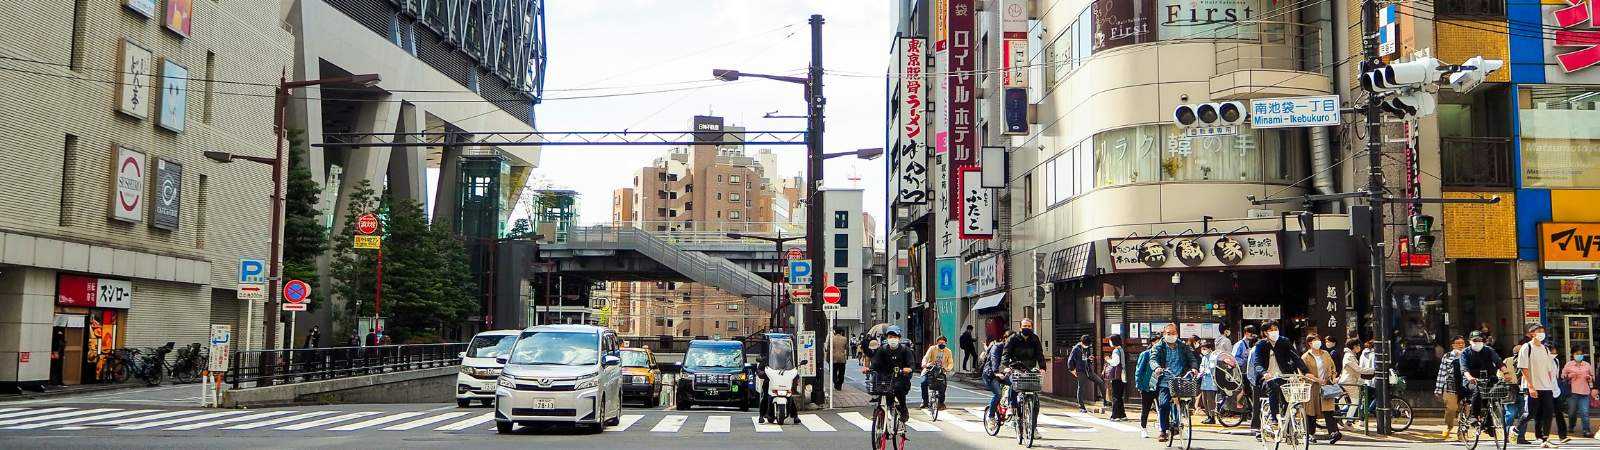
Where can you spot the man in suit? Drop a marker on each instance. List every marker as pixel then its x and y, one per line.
pixel 1274 359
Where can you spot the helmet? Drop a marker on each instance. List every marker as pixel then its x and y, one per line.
pixel 893 329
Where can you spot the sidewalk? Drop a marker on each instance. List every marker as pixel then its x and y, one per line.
pixel 56 391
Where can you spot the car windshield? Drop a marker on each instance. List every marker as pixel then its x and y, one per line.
pixel 780 354
pixel 635 359
pixel 732 357
pixel 557 349
pixel 490 346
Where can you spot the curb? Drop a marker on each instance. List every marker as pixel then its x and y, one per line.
pixel 80 389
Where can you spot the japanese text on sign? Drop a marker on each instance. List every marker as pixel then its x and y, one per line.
pixel 911 170
pixel 962 133
pixel 1319 111
pixel 977 220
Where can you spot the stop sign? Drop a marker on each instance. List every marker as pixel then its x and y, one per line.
pixel 830 294
pixel 367 223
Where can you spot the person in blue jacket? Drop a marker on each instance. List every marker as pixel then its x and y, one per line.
pixel 1144 379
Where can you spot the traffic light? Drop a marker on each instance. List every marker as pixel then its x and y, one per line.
pixel 1472 73
pixel 1394 77
pixel 1412 102
pixel 1421 233
pixel 1209 114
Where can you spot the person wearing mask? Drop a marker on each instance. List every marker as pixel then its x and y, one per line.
pixel 1535 364
pixel 991 371
pixel 1337 351
pixel 838 355
pixel 1024 351
pixel 1579 374
pixel 1080 363
pixel 1322 372
pixel 1369 370
pixel 1351 373
pixel 1446 386
pixel 969 350
pixel 1118 379
pixel 1273 358
pixel 1145 381
pixel 1242 351
pixel 894 361
pixel 1208 382
pixel 1478 362
pixel 937 357
pixel 1172 359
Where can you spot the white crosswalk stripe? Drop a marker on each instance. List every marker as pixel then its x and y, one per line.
pixel 718 424
pixel 280 420
pixel 468 423
pixel 815 424
pixel 79 419
pixel 626 421
pixel 857 419
pixel 58 415
pixel 918 425
pixel 952 418
pixel 162 423
pixel 135 419
pixel 670 424
pixel 765 427
pixel 328 420
pixel 1103 423
pixel 425 421
pixel 10 409
pixel 377 421
pixel 237 419
pixel 30 412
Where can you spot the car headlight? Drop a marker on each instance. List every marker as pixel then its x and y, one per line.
pixel 589 383
pixel 466 370
pixel 506 382
pixel 638 379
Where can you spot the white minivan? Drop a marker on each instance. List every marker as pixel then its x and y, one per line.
pixel 479 369
pixel 561 374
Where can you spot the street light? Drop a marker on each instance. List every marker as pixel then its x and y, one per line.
pixel 270 328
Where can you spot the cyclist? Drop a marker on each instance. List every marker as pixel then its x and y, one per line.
pixel 1479 362
pixel 894 361
pixel 992 370
pixel 937 361
pixel 1274 357
pixel 1023 351
pixel 1172 359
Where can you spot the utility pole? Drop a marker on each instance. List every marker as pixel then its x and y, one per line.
pixel 814 205
pixel 1373 111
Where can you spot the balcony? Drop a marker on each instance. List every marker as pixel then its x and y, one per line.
pixel 1483 9
pixel 1475 162
pixel 1269 59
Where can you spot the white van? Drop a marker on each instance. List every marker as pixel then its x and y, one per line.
pixel 479 370
pixel 561 374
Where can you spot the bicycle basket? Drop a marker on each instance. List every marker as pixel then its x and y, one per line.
pixel 1297 392
pixel 1185 387
pixel 1500 393
pixel 880 386
pixel 1025 382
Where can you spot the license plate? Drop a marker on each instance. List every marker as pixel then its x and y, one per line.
pixel 711 392
pixel 544 403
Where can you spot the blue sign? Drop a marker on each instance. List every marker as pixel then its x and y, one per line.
pixel 799 271
pixel 946 274
pixel 1295 112
pixel 252 271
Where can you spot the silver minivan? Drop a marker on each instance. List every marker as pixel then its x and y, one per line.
pixel 560 374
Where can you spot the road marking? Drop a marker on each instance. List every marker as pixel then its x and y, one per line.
pixel 626 421
pixel 857 419
pixel 29 412
pixel 468 423
pixel 975 412
pixel 670 424
pixel 765 427
pixel 717 424
pixel 425 421
pixel 162 423
pixel 377 421
pixel 918 425
pixel 961 423
pixel 56 415
pixel 1103 422
pixel 236 419
pixel 280 420
pixel 10 409
pixel 80 419
pixel 328 420
pixel 133 419
pixel 814 423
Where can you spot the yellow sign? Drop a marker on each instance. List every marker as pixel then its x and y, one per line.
pixel 1480 231
pixel 1569 246
pixel 369 242
pixel 1458 40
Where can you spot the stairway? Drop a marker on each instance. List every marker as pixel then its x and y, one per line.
pixel 709 270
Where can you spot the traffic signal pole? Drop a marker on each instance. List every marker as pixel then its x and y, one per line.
pixel 814 210
pixel 1373 113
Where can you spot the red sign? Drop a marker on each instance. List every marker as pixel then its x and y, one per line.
pixel 1413 260
pixel 1572 34
pixel 830 295
pixel 74 290
pixel 23 357
pixel 367 224
pixel 296 291
pixel 795 253
pixel 962 97
pixel 799 293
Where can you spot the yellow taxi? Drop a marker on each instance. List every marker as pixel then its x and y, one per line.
pixel 640 380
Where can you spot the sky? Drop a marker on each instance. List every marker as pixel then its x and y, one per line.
pixel 637 45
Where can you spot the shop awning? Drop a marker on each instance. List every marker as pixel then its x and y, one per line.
pixel 1071 263
pixel 991 301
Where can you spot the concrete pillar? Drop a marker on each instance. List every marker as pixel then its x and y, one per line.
pixel 408 167
pixel 444 200
pixel 27 309
pixel 367 163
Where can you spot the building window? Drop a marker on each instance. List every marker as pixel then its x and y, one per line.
pixel 686 313
pixel 719 196
pixel 661 212
pixel 1027 195
pixel 201 199
pixel 733 197
pixel 661 176
pixel 735 179
pixel 79 27
pixel 719 178
pixel 841 258
pixel 733 326
pixel 719 214
pixel 734 215
pixel 661 195
pixel 841 240
pixel 688 206
pixel 1127 155
pixel 733 306
pixel 672 213
pixel 841 219
pixel 211 74
pixel 718 323
pixel 69 164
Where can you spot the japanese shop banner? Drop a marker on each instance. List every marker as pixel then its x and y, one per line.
pixel 977 205
pixel 963 133
pixel 911 170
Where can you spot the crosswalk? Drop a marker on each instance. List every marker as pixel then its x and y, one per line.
pixel 653 422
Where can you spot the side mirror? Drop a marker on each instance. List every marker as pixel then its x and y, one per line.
pixel 501 359
pixel 461 355
pixel 610 360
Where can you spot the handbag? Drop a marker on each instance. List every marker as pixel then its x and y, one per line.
pixel 1332 391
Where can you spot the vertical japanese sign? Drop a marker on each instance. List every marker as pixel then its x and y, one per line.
pixel 1329 307
pixel 912 168
pixel 977 205
pixel 944 227
pixel 941 67
pixel 963 112
pixel 1014 61
pixel 133 83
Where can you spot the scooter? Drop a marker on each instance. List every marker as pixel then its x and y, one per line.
pixel 781 388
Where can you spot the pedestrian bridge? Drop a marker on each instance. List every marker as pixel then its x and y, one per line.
pixel 740 267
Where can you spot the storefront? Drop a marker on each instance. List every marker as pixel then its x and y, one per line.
pixel 90 319
pixel 986 295
pixel 1569 265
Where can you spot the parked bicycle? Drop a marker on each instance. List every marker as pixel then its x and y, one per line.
pixel 110 365
pixel 1350 412
pixel 1234 406
pixel 151 368
pixel 1289 427
pixel 188 364
pixel 888 428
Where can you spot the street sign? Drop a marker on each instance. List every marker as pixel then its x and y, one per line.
pixel 252 279
pixel 296 292
pixel 1295 112
pixel 221 340
pixel 830 295
pixel 795 253
pixel 830 308
pixel 369 242
pixel 799 271
pixel 367 224
pixel 800 295
pixel 1215 130
pixel 808 347
pixel 294 307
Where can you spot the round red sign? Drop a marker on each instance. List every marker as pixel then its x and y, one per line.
pixel 296 291
pixel 367 224
pixel 794 253
pixel 830 294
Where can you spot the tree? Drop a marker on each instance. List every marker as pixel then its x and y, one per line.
pixel 303 235
pixel 352 271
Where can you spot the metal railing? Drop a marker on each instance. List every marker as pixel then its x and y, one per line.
pixel 314 364
pixel 697 266
pixel 1483 162
pixel 1253 45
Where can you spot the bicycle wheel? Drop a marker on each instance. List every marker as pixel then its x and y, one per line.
pixel 1478 426
pixel 880 430
pixel 1188 429
pixel 992 420
pixel 1399 414
pixel 1230 413
pixel 933 410
pixel 116 370
pixel 1022 418
pixel 1033 418
pixel 1346 411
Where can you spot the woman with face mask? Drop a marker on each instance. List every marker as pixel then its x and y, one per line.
pixel 1321 370
pixel 937 358
pixel 1579 374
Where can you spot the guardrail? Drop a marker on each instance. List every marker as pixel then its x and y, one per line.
pixel 315 364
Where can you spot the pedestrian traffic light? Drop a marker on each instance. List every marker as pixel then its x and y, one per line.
pixel 1421 231
pixel 1209 114
pixel 1394 77
pixel 1472 73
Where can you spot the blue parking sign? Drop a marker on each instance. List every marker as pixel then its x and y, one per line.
pixel 799 271
pixel 252 271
